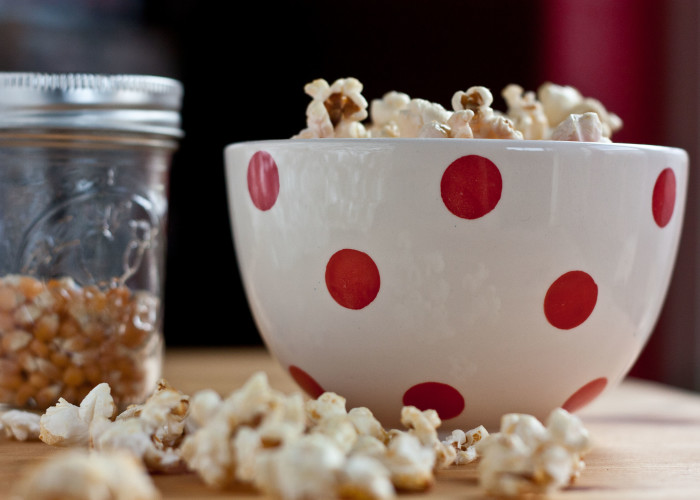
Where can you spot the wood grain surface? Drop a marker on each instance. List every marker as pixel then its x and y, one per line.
pixel 646 438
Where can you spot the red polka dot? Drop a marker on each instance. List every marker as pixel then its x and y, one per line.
pixel 263 180
pixel 306 382
pixel 352 278
pixel 471 186
pixel 443 398
pixel 570 300
pixel 585 394
pixel 664 197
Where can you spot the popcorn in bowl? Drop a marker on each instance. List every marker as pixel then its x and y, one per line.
pixel 554 112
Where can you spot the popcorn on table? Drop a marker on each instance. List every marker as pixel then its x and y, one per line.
pixel 151 431
pixel 527 457
pixel 295 448
pixel 21 425
pixel 554 112
pixel 81 475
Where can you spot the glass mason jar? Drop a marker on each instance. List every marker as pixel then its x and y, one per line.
pixel 84 168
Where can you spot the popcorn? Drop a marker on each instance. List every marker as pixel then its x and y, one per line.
pixel 527 457
pixel 78 475
pixel 421 116
pixel 337 110
pixel 151 431
pixel 270 417
pixel 20 425
pixel 366 424
pixel 306 468
pixel 526 113
pixel 163 414
pixel 559 102
pixel 203 405
pixel 296 448
pixel 423 425
pixel 465 443
pixel 458 124
pixel 340 429
pixel 585 127
pixel 292 448
pixel 410 463
pixel 326 405
pixel 210 454
pixel 136 436
pixel 486 123
pixel 384 114
pixel 68 425
pixel 365 477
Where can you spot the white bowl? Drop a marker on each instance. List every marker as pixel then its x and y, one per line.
pixel 476 277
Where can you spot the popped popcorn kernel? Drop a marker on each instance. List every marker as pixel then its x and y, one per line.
pixel 559 102
pixel 136 436
pixel 81 475
pixel 486 122
pixel 464 443
pixel 365 477
pixel 458 124
pixel 306 468
pixel 527 457
pixel 340 429
pixel 151 431
pixel 526 112
pixel 326 405
pixel 423 425
pixel 20 425
pixel 410 463
pixel 336 110
pixel 367 424
pixel 585 127
pixel 384 114
pixel 233 432
pixel 419 116
pixel 65 424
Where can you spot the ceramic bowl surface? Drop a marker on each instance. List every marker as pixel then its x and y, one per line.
pixel 475 277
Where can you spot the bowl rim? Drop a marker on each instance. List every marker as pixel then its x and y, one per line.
pixel 517 144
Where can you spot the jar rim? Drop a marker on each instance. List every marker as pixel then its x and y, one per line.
pixel 120 102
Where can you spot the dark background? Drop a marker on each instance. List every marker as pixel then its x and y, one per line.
pixel 244 70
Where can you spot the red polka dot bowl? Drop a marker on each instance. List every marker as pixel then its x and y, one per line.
pixel 476 277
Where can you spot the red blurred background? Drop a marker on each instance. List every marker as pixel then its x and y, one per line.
pixel 244 72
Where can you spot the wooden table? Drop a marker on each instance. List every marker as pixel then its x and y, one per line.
pixel 647 437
